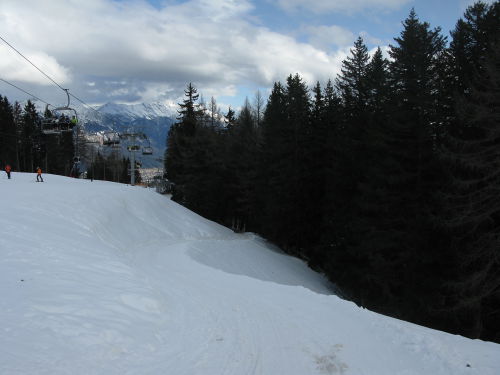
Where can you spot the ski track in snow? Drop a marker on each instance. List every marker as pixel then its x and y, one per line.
pixel 103 278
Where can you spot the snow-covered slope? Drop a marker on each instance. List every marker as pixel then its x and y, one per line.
pixel 102 278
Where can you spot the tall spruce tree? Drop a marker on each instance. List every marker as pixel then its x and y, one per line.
pixel 179 152
pixel 406 246
pixel 323 253
pixel 243 166
pixel 315 168
pixel 471 42
pixel 30 144
pixel 474 205
pixel 275 158
pixel 194 159
pixel 351 83
pixel 472 210
pixel 8 138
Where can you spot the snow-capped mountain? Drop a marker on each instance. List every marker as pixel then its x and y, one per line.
pixel 148 111
pixel 111 114
pixel 152 119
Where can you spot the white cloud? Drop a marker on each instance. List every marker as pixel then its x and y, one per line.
pixel 155 52
pixel 326 37
pixel 14 67
pixel 342 6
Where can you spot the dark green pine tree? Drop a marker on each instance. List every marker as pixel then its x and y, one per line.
pixel 471 43
pixel 405 243
pixel 180 139
pixel 194 160
pixel 351 83
pixel 473 209
pixel 8 138
pixel 275 161
pixel 17 115
pixel 242 166
pixel 347 161
pixel 323 253
pixel 353 255
pixel 30 139
pixel 353 89
pixel 378 86
pixel 298 108
pixel 314 173
pixel 230 119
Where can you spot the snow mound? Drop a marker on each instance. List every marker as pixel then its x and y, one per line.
pixel 104 278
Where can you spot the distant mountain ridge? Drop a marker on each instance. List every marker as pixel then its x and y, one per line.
pixel 143 110
pixel 110 112
pixel 152 119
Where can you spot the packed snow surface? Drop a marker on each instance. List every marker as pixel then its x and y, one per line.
pixel 103 278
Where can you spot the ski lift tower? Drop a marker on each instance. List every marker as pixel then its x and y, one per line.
pixel 133 147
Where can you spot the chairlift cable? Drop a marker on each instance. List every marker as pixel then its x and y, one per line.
pixel 26 92
pixel 85 104
pixel 28 60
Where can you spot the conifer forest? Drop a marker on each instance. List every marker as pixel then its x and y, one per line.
pixel 385 178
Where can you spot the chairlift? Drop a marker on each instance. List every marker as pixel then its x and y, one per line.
pixel 111 139
pixel 50 126
pixel 59 124
pixel 133 148
pixel 147 150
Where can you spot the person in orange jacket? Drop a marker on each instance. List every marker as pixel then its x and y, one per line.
pixel 39 174
pixel 7 170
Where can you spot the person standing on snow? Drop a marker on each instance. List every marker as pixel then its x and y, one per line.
pixel 7 170
pixel 39 174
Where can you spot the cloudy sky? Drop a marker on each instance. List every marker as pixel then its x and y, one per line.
pixel 131 51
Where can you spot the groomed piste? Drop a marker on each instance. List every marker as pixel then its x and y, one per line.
pixel 104 278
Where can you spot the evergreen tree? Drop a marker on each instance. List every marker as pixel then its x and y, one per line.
pixel 8 136
pixel 193 159
pixel 17 116
pixel 179 153
pixel 405 243
pixel 275 159
pixel 471 42
pixel 347 161
pixel 30 145
pixel 351 83
pixel 473 209
pixel 315 171
pixel 230 119
pixel 242 167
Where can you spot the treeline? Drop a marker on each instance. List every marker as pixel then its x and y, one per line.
pixel 113 167
pixel 24 145
pixel 386 179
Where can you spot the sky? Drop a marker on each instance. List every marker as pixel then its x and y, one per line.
pixel 133 51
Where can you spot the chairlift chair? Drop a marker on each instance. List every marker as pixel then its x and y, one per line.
pixel 57 125
pixel 111 139
pixel 147 150
pixel 50 126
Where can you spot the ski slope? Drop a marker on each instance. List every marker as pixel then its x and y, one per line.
pixel 104 278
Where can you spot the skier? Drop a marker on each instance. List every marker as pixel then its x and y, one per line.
pixel 7 170
pixel 39 174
